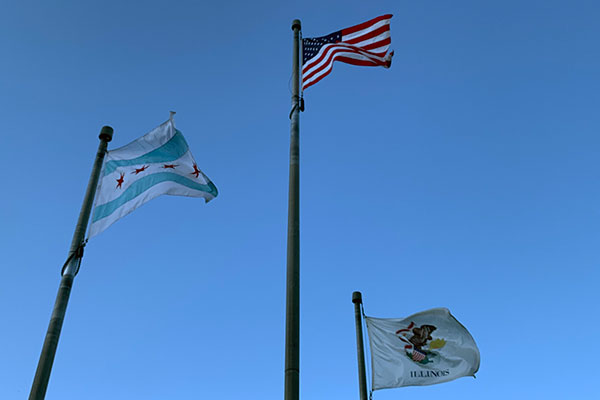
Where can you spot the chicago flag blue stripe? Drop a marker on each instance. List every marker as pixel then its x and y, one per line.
pixel 145 183
pixel 170 151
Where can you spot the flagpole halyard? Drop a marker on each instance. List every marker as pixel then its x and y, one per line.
pixel 292 309
pixel 70 269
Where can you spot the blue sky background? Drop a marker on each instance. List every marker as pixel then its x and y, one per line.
pixel 465 177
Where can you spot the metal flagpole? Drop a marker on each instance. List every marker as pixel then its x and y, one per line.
pixel 70 269
pixel 360 348
pixel 292 306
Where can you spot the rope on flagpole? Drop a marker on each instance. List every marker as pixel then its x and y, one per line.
pixel 77 253
pixel 299 104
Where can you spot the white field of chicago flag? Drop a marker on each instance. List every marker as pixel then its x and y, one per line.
pixel 424 349
pixel 364 44
pixel 159 162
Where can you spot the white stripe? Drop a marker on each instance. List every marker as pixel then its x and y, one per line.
pixel 366 30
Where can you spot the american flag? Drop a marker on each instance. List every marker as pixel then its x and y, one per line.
pixel 363 44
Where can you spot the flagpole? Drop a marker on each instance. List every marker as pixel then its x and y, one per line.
pixel 292 307
pixel 70 269
pixel 360 348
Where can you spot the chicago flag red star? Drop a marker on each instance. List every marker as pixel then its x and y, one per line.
pixel 196 171
pixel 138 170
pixel 120 180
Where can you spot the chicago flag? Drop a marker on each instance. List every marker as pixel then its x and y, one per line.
pixel 159 162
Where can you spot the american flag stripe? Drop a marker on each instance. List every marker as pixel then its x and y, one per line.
pixel 364 44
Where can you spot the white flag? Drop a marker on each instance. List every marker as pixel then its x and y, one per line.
pixel 424 349
pixel 159 162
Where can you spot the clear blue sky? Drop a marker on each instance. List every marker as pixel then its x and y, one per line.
pixel 465 176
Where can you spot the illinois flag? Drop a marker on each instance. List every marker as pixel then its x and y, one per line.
pixel 159 162
pixel 424 349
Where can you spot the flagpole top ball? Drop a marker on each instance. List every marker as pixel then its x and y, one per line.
pixel 106 133
pixel 296 24
pixel 356 297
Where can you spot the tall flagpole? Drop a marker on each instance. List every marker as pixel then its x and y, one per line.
pixel 292 306
pixel 360 348
pixel 70 269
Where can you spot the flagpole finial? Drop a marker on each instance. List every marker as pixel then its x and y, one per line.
pixel 357 298
pixel 296 24
pixel 106 133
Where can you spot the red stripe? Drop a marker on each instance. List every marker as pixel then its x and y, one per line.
pixel 371 34
pixel 364 25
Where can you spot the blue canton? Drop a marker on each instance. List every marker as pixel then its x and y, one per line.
pixel 311 46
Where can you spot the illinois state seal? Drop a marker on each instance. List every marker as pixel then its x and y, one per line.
pixel 420 345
